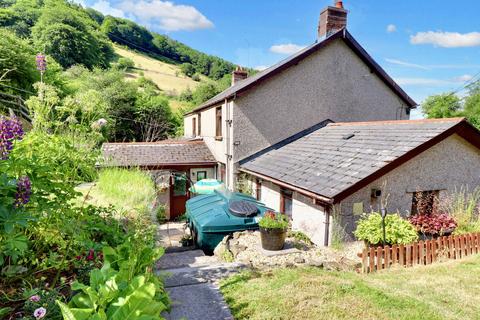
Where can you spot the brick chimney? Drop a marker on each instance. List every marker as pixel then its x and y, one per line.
pixel 332 19
pixel 238 74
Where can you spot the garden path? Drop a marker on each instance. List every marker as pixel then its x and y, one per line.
pixel 191 280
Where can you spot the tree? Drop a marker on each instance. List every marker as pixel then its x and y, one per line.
pixel 187 69
pixel 445 105
pixel 472 104
pixel 154 117
pixel 68 35
pixel 17 62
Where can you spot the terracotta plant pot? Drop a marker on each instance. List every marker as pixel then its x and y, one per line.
pixel 273 239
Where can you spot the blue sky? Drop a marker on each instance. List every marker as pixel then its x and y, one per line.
pixel 429 46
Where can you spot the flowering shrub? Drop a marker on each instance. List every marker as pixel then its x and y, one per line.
pixel 272 220
pixel 10 130
pixel 433 224
pixel 397 229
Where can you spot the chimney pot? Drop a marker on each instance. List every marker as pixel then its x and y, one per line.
pixel 239 74
pixel 332 19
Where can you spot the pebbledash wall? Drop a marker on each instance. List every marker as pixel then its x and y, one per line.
pixel 448 166
pixel 332 83
pixel 307 217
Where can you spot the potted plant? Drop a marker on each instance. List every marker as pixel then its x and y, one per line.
pixel 273 230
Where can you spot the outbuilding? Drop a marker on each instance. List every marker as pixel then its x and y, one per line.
pixel 327 177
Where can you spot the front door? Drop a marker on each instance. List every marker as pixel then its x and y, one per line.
pixel 178 194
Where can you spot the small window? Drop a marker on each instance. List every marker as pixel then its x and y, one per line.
pixel 424 202
pixel 258 189
pixel 199 133
pixel 201 175
pixel 218 129
pixel 286 202
pixel 194 126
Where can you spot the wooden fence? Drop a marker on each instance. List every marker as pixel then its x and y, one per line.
pixel 420 253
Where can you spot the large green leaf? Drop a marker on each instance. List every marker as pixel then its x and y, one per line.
pixel 137 304
pixel 74 313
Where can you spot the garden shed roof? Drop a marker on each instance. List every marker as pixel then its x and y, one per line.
pixel 341 158
pixel 157 154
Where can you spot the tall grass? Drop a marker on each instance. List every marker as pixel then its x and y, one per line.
pixel 130 189
pixel 463 206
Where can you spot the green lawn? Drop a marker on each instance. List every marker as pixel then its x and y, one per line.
pixel 448 290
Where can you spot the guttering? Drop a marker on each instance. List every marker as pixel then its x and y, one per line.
pixel 321 199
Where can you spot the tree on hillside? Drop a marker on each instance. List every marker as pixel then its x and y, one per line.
pixel 187 69
pixel 68 35
pixel 17 62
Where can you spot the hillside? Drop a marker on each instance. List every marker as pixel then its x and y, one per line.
pixel 168 77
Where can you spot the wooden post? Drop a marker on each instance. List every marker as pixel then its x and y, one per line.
pixel 409 255
pixel 394 254
pixel 415 254
pixel 401 255
pixel 429 251
pixel 386 256
pixel 379 258
pixel 371 260
pixel 365 260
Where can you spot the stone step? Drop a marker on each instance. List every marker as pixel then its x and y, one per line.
pixel 199 274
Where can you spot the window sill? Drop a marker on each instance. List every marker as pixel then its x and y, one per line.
pixel 219 138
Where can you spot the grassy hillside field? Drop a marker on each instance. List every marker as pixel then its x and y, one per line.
pixel 167 77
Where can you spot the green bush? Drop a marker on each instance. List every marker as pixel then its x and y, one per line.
pixel 397 229
pixel 271 220
pixel 463 206
pixel 125 63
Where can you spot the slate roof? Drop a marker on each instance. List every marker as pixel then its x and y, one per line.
pixel 162 153
pixel 334 158
pixel 249 82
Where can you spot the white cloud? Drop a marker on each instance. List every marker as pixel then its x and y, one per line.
pixel 422 82
pixel 431 66
pixel 287 48
pixel 406 64
pixel 391 28
pixel 260 68
pixel 80 2
pixel 463 78
pixel 447 39
pixel 432 82
pixel 166 15
pixel 105 8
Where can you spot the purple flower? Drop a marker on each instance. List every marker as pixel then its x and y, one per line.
pixel 24 190
pixel 10 130
pixel 39 313
pixel 35 298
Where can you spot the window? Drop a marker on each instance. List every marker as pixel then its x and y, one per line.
pixel 286 202
pixel 199 124
pixel 201 175
pixel 258 191
pixel 194 126
pixel 218 126
pixel 424 202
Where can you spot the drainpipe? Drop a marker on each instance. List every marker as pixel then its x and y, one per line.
pixel 227 141
pixel 327 225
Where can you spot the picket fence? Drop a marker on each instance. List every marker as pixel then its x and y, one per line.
pixel 420 253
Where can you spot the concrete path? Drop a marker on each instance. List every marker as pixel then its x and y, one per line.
pixel 191 280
